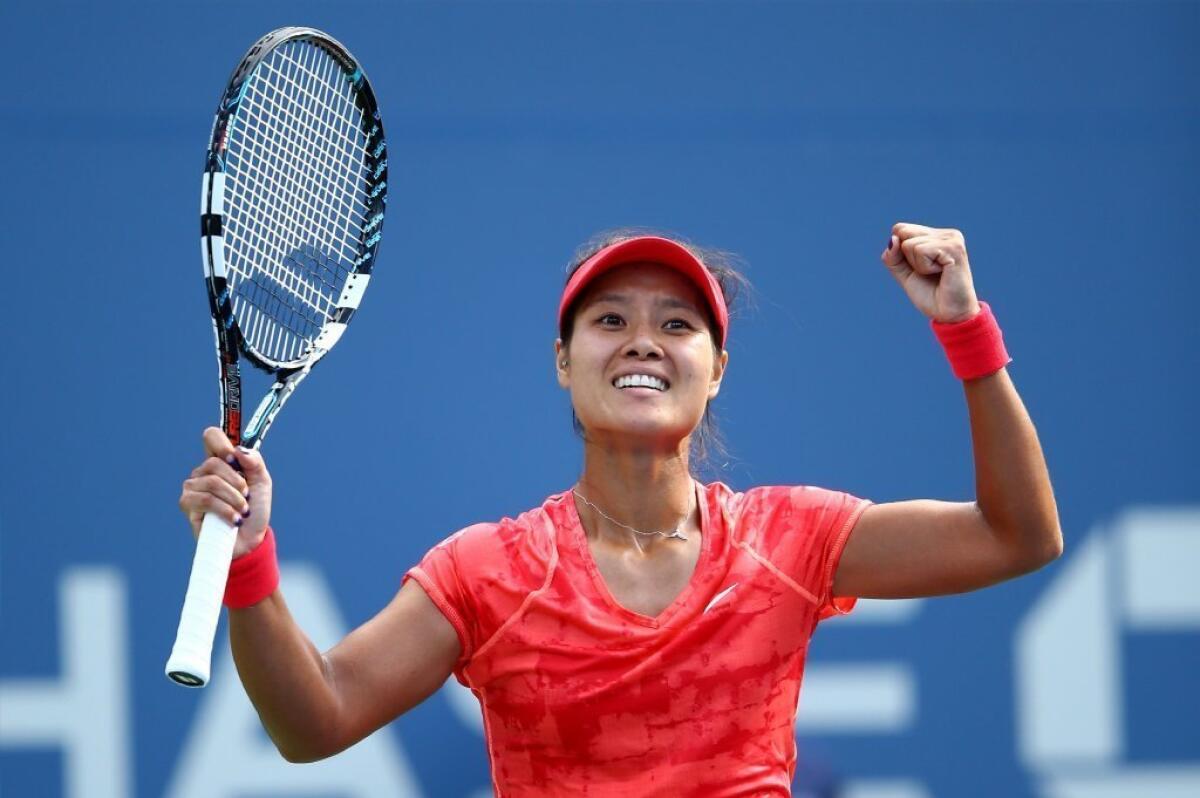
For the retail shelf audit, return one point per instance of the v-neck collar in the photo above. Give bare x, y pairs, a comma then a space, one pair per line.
579, 539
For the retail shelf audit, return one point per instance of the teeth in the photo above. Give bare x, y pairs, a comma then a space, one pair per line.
640, 381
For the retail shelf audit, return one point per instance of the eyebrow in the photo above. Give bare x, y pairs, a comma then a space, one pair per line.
666, 302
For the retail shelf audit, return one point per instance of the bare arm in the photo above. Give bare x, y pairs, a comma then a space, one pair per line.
927, 547
315, 705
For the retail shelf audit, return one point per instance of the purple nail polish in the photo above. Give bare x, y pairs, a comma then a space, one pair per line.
889, 244
247, 513
238, 522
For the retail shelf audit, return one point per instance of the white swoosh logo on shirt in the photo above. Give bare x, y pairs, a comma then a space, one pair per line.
719, 596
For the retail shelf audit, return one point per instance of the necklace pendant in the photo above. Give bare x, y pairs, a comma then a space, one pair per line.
677, 534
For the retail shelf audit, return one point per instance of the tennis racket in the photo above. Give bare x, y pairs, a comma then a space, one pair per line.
291, 213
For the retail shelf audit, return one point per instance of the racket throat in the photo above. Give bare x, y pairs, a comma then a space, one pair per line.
270, 405
262, 417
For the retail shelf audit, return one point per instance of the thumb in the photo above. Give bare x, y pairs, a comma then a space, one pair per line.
893, 259
252, 465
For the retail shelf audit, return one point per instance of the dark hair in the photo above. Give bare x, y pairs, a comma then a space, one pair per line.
707, 443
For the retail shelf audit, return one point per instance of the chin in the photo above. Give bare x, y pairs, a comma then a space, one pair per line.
647, 429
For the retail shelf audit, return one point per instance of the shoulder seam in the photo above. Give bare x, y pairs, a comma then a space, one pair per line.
787, 580
550, 569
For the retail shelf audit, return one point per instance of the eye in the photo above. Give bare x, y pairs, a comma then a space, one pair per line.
609, 320
683, 324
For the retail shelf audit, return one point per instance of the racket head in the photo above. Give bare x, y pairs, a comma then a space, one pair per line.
292, 199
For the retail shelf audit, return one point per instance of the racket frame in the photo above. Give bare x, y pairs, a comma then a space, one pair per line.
229, 339
190, 660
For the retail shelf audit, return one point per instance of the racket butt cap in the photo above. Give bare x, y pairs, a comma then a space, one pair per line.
187, 673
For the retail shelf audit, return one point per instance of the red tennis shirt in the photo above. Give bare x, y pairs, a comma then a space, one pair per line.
582, 696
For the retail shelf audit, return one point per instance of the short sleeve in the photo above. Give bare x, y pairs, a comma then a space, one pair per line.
833, 515
441, 574
480, 576
803, 531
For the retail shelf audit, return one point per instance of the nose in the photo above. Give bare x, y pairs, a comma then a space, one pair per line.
642, 342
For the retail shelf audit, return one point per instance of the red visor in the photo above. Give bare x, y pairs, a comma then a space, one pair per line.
654, 250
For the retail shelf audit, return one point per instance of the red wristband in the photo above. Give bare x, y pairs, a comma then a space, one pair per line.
254, 575
975, 347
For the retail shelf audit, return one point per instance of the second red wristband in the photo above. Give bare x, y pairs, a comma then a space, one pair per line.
254, 575
975, 347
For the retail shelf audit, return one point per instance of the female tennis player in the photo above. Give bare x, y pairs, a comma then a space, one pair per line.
643, 633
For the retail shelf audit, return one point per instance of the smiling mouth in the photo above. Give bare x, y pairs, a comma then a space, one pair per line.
641, 381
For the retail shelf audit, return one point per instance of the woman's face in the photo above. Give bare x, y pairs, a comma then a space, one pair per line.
634, 322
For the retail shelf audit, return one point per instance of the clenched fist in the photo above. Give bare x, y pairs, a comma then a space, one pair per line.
930, 263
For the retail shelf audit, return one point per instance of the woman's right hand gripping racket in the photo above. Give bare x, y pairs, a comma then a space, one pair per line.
291, 214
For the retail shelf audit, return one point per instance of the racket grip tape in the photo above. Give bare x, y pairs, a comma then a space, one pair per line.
191, 657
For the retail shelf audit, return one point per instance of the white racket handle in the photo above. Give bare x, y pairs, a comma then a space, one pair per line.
191, 658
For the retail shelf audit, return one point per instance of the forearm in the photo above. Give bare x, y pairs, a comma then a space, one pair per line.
1012, 483
286, 679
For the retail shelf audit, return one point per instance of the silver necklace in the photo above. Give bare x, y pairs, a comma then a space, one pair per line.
671, 533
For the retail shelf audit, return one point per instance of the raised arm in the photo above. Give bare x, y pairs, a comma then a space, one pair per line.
926, 547
312, 704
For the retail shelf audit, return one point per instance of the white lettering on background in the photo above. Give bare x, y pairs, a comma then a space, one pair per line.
1134, 576
85, 711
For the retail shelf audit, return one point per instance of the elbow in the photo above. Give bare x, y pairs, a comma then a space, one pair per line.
319, 735
1048, 549
1052, 542
1028, 542
301, 753
1055, 549
305, 748
299, 758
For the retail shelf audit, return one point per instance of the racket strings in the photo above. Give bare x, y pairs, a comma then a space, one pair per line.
301, 129
291, 164
296, 173
340, 128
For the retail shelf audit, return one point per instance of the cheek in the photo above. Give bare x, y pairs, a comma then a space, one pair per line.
697, 369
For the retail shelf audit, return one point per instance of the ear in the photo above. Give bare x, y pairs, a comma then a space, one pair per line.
718, 373
562, 364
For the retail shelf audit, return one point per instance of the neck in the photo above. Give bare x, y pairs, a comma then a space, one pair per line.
649, 491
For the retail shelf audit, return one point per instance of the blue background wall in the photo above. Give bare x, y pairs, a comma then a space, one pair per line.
1060, 137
